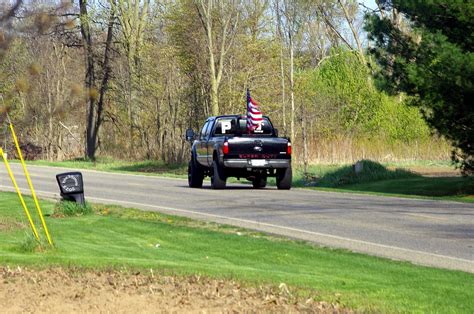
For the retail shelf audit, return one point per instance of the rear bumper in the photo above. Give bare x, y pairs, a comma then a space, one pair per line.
247, 163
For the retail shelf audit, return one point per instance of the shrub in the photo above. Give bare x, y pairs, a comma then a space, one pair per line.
371, 171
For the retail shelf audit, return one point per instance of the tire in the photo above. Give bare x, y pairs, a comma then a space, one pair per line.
284, 178
217, 177
259, 182
195, 175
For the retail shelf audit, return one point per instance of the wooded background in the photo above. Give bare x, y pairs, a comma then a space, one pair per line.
126, 78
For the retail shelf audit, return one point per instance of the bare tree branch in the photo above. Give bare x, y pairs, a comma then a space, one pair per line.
10, 13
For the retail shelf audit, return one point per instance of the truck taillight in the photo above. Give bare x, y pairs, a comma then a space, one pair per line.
225, 149
288, 149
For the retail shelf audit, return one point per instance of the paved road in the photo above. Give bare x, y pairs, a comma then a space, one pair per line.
434, 233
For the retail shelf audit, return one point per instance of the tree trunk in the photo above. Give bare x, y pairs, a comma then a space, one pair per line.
89, 79
133, 21
50, 118
282, 68
158, 124
94, 111
106, 69
305, 142
212, 72
130, 109
207, 13
214, 97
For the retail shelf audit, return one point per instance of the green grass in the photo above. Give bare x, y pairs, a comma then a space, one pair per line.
151, 167
118, 237
396, 179
69, 208
387, 180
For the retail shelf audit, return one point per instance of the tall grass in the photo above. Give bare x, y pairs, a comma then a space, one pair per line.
70, 208
346, 149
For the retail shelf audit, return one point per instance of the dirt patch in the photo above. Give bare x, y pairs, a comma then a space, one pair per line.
435, 171
10, 225
69, 290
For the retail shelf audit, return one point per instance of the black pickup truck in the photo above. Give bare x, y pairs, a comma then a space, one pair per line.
224, 148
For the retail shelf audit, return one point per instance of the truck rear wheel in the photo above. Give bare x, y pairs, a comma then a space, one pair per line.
284, 178
195, 175
259, 182
217, 178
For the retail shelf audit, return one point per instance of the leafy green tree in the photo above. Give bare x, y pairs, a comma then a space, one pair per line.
425, 49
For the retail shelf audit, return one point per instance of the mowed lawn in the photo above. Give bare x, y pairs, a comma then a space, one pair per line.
115, 237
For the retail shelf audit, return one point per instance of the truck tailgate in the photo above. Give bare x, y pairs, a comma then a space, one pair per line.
257, 148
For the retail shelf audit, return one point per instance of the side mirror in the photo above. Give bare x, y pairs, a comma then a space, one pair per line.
189, 135
276, 132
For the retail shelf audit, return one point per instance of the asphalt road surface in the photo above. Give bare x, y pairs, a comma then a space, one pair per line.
426, 232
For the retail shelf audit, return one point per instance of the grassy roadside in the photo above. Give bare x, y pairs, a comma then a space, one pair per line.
445, 188
391, 179
395, 179
118, 237
147, 167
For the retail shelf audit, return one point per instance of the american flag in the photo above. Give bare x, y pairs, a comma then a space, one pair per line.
254, 115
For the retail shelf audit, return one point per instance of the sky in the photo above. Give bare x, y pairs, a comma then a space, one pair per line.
369, 3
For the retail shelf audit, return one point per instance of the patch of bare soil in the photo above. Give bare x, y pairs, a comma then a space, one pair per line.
61, 290
10, 224
435, 171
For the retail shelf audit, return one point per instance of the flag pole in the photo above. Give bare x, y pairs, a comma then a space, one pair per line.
247, 105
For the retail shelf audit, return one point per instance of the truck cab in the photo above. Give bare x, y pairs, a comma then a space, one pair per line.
225, 148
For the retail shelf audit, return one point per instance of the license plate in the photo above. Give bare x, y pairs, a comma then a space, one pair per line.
258, 162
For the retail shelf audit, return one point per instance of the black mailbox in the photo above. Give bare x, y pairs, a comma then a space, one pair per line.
71, 186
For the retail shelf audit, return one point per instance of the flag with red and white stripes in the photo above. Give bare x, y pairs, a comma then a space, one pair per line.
254, 115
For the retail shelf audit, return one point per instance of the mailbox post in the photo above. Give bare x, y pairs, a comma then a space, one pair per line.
71, 186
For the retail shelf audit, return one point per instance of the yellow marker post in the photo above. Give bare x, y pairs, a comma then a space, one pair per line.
30, 184
19, 194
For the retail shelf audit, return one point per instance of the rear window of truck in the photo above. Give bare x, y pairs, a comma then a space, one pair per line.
232, 126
